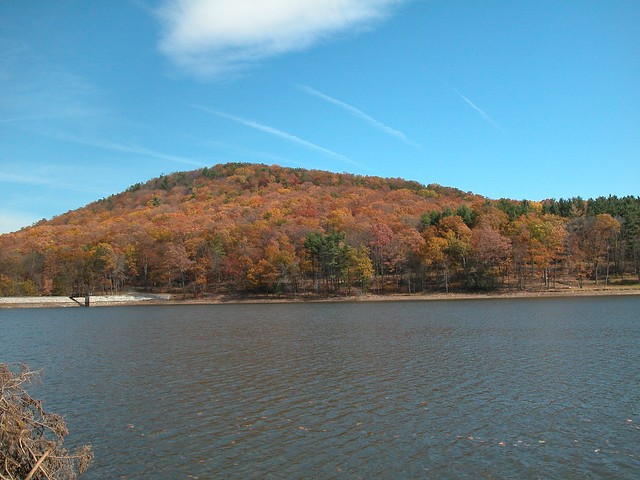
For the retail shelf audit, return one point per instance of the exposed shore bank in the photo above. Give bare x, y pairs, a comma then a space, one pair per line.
178, 299
95, 300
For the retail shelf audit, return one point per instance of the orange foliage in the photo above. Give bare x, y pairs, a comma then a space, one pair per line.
244, 226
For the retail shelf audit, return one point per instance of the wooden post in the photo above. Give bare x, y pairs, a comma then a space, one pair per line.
86, 300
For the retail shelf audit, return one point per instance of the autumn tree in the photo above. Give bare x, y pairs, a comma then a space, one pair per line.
222, 228
177, 264
382, 250
359, 268
577, 249
105, 268
603, 231
407, 262
489, 253
433, 252
458, 236
538, 243
278, 270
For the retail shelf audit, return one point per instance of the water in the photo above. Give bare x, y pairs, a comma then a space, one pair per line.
526, 388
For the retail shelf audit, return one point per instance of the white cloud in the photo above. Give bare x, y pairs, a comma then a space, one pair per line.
213, 38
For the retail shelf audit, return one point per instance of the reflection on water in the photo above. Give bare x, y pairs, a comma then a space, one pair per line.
539, 388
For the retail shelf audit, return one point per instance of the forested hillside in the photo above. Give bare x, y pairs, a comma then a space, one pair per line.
244, 228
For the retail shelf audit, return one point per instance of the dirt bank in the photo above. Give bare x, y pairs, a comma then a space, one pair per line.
169, 299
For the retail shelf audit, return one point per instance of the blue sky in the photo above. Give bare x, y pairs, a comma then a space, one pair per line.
518, 99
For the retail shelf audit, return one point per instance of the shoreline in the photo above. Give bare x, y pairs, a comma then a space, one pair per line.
128, 299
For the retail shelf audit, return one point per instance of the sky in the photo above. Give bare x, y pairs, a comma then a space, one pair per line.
507, 99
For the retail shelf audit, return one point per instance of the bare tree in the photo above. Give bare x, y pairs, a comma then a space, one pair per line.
31, 439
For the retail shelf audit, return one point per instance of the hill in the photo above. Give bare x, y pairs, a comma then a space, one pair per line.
256, 228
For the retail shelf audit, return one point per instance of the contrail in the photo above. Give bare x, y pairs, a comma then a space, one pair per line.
356, 112
480, 111
30, 118
146, 152
132, 149
46, 181
279, 133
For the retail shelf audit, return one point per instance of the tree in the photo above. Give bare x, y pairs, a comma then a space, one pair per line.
360, 268
433, 252
178, 264
458, 237
547, 244
32, 439
105, 267
468, 215
8, 286
223, 220
590, 243
381, 247
329, 256
600, 237
538, 243
277, 270
489, 252
406, 261
577, 256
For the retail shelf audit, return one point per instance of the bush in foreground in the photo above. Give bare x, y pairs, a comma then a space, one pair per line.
31, 439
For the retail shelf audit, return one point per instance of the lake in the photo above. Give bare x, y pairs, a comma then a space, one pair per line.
505, 388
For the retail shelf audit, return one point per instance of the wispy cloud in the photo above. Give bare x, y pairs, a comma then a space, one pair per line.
356, 112
14, 220
44, 178
123, 148
214, 38
22, 179
32, 118
238, 151
44, 92
146, 152
280, 134
482, 113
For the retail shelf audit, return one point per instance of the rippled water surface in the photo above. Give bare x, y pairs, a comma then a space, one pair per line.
526, 388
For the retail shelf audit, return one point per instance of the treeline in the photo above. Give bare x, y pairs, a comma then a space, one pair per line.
253, 228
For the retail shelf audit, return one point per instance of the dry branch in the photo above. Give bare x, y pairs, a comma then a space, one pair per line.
31, 439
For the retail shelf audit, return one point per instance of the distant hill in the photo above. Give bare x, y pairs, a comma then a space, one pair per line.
256, 228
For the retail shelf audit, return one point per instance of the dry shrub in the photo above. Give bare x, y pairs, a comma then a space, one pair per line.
31, 440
